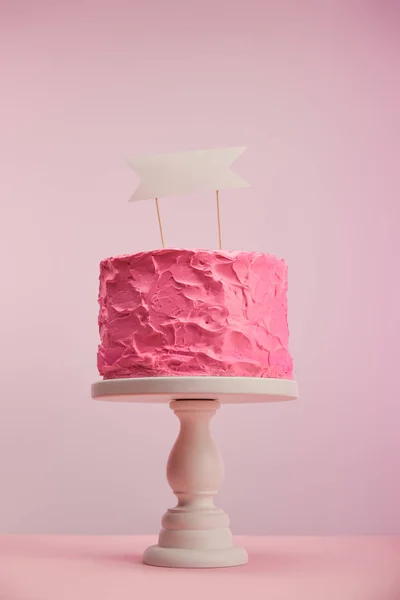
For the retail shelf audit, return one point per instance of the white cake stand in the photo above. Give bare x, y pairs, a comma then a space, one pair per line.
195, 533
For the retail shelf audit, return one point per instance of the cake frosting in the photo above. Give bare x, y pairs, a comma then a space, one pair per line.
176, 312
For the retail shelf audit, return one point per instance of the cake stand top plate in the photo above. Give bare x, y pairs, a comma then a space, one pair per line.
228, 390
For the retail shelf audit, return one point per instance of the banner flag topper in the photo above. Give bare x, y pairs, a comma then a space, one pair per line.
186, 173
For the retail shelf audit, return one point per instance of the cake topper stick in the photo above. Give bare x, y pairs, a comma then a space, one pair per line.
186, 173
219, 221
160, 223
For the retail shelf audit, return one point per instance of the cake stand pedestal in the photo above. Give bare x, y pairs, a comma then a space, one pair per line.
195, 533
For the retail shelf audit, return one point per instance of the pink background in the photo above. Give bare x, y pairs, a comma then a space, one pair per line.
313, 89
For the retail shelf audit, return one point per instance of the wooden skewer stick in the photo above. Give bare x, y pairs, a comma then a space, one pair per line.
160, 223
219, 221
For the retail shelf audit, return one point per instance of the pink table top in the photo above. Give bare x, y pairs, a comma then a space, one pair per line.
280, 568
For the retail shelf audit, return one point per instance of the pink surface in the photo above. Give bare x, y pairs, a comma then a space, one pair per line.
193, 312
280, 568
313, 90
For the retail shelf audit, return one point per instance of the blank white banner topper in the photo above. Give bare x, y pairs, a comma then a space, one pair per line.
186, 172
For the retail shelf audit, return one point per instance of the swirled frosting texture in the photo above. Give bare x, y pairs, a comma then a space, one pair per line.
193, 312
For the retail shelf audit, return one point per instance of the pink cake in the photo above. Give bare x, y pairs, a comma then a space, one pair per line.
193, 312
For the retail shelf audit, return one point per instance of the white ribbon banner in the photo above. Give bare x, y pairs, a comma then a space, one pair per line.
186, 172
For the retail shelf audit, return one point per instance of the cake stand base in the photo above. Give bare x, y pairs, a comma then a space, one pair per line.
195, 533
157, 556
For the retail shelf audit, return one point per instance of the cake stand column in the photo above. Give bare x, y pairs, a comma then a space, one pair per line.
195, 533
